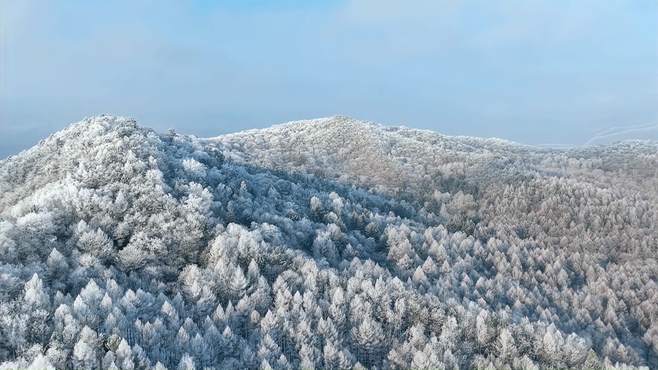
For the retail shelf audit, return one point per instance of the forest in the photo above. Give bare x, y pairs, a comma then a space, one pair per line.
328, 244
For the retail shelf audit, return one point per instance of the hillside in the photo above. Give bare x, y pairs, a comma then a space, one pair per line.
546, 194
329, 243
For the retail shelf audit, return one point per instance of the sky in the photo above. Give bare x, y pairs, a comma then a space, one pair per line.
534, 71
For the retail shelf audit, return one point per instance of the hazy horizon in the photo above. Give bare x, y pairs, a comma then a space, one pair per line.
538, 72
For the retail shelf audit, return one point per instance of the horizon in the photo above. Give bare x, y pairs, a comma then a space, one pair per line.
612, 132
535, 73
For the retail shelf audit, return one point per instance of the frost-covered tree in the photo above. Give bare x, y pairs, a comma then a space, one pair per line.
328, 244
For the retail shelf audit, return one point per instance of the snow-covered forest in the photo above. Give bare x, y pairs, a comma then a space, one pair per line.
329, 244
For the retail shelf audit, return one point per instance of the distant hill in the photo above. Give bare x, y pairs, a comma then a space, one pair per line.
329, 243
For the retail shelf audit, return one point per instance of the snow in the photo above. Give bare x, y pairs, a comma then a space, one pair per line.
328, 243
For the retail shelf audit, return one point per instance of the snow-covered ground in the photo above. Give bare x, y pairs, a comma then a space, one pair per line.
329, 243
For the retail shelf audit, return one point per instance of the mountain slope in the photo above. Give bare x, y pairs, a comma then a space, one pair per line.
503, 184
331, 243
394, 160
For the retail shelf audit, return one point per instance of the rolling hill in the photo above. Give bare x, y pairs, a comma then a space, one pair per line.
328, 243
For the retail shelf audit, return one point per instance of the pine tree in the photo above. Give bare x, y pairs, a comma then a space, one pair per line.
367, 339
186, 363
85, 351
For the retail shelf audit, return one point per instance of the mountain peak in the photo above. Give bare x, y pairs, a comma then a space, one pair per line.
103, 122
326, 123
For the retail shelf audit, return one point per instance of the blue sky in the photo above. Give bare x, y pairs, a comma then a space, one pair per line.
533, 71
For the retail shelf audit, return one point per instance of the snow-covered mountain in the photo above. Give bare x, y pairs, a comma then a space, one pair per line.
329, 243
390, 159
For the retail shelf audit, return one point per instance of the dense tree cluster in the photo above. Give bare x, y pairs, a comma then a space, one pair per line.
330, 244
